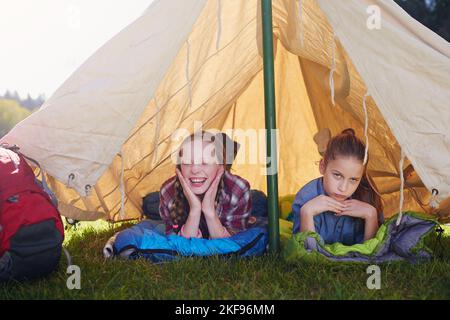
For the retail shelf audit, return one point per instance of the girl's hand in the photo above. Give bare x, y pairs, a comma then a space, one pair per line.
194, 202
321, 204
358, 209
209, 199
363, 210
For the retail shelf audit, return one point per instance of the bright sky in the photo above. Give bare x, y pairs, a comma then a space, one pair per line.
42, 42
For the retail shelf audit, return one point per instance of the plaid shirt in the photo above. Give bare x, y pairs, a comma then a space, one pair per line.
233, 209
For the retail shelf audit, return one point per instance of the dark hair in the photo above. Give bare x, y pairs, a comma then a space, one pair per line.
180, 209
347, 144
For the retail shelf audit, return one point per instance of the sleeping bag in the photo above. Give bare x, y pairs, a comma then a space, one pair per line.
147, 240
391, 243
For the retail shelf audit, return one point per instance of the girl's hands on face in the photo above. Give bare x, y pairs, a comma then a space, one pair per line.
209, 199
358, 209
321, 204
194, 202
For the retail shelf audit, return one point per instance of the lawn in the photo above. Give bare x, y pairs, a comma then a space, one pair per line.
266, 277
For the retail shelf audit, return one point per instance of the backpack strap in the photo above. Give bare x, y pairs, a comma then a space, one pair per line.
48, 191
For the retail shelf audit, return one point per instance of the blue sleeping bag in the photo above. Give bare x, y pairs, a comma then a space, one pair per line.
147, 240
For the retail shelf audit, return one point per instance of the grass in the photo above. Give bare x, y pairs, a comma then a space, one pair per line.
266, 277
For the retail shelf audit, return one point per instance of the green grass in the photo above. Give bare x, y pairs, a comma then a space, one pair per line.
266, 277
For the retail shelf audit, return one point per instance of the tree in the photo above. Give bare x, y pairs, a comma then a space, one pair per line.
7, 95
28, 103
434, 14
16, 96
10, 114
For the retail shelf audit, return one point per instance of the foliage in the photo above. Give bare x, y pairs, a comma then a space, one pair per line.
434, 14
10, 114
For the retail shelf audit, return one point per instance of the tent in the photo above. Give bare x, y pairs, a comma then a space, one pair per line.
105, 137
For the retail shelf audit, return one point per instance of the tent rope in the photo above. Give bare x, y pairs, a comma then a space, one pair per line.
187, 72
157, 129
87, 190
434, 201
402, 184
439, 249
122, 187
333, 69
68, 257
70, 178
219, 23
366, 128
301, 22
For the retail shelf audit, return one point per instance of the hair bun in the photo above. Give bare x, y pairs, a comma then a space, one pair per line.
349, 131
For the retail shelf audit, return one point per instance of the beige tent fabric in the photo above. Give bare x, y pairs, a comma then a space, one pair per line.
82, 126
188, 61
417, 107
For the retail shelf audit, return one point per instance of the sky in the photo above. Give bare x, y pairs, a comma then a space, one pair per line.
42, 42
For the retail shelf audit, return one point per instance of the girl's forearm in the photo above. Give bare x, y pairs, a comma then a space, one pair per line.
215, 227
306, 221
370, 226
190, 228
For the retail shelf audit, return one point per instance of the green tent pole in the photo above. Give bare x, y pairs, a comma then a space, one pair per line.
269, 101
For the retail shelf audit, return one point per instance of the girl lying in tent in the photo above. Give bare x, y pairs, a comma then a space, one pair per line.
205, 209
203, 199
339, 216
343, 205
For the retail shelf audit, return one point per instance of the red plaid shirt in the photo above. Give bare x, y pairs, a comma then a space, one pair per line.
233, 209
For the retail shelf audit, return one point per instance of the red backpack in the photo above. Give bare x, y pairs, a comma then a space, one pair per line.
31, 230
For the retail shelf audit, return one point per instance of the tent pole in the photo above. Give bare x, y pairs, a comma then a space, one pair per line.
269, 101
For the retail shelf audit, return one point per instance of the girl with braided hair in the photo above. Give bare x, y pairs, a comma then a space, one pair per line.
203, 199
343, 205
